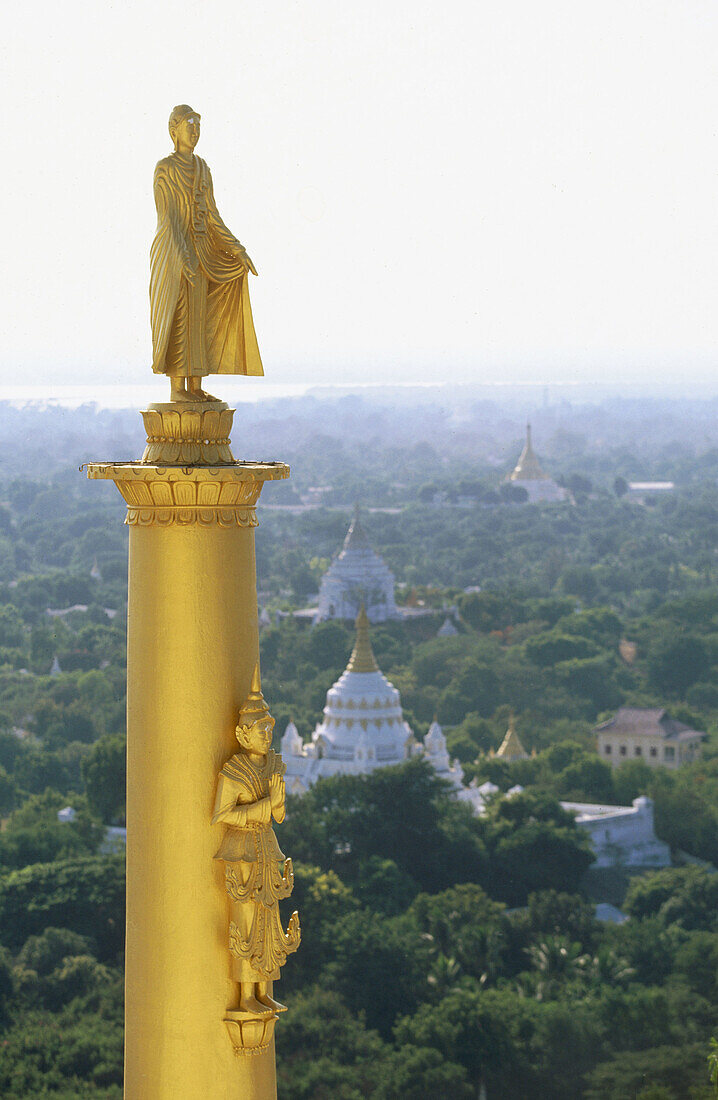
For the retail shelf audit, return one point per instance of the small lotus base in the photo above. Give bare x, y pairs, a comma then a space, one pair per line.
248, 1032
192, 433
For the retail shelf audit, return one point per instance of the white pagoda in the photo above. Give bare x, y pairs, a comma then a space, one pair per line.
447, 629
358, 575
436, 753
362, 728
528, 475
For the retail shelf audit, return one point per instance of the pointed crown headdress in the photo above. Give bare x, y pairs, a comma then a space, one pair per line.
254, 707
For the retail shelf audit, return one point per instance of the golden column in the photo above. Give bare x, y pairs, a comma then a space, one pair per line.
199, 1009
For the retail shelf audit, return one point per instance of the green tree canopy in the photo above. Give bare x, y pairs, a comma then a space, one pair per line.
682, 895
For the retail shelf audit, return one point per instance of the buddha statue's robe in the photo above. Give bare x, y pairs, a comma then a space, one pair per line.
257, 875
199, 299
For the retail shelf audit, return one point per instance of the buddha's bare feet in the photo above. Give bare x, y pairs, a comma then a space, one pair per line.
196, 393
251, 1004
178, 388
183, 395
271, 1004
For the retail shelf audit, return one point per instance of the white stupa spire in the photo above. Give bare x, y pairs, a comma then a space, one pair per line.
292, 743
436, 753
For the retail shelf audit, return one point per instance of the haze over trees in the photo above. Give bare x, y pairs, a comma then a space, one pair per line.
441, 951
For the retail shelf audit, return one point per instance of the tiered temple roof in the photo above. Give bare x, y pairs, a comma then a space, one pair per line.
511, 747
358, 575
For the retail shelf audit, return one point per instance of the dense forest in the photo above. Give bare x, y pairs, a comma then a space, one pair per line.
440, 951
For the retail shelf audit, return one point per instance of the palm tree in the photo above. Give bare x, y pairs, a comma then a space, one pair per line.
444, 974
556, 963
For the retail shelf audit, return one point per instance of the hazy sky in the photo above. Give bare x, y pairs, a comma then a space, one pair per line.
497, 191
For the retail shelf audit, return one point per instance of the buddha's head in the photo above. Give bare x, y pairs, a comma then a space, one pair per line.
184, 127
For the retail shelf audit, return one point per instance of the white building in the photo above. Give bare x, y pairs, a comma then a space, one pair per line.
436, 754
621, 836
640, 491
357, 576
478, 795
362, 727
528, 475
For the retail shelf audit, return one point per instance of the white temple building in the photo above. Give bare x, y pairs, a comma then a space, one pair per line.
528, 475
362, 728
358, 575
622, 836
478, 795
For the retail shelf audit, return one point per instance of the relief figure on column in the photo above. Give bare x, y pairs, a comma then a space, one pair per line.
250, 792
199, 295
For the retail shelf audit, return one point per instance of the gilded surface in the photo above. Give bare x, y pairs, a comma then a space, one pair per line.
192, 644
528, 467
223, 496
250, 793
362, 658
199, 298
188, 434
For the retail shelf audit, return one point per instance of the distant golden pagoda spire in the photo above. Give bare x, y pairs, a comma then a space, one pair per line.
362, 658
528, 467
511, 747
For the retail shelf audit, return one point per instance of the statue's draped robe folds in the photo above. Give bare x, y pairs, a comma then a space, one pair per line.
257, 875
201, 324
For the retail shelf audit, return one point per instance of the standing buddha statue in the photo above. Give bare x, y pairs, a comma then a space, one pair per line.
199, 298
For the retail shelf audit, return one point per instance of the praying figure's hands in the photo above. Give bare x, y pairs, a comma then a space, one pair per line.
276, 791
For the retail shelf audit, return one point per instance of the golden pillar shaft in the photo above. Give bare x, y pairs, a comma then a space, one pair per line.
192, 648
